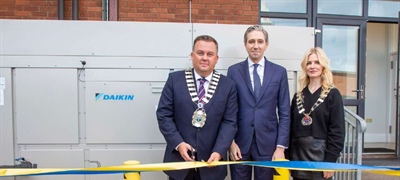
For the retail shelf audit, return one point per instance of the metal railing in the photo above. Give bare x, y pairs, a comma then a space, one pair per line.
352, 151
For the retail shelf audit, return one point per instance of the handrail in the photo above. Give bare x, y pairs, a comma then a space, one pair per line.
362, 122
352, 151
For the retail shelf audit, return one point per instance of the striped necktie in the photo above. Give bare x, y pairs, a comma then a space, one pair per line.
257, 81
202, 91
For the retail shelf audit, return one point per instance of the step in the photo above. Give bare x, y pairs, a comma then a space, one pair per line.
378, 156
381, 160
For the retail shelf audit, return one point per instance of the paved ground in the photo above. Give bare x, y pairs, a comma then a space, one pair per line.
369, 176
392, 162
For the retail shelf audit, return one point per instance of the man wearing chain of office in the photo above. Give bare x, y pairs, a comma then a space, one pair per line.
197, 114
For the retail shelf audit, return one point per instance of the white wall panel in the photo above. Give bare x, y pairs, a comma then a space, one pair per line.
377, 71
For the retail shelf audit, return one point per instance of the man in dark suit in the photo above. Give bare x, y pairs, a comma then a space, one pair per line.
197, 114
264, 108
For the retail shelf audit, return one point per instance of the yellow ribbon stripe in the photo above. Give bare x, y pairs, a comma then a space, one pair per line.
283, 174
387, 172
281, 166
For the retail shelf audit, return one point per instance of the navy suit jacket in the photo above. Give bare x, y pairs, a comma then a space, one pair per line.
174, 114
260, 116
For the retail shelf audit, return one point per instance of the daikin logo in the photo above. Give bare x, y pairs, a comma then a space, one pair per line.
114, 97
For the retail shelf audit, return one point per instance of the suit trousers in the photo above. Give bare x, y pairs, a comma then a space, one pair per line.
192, 175
244, 172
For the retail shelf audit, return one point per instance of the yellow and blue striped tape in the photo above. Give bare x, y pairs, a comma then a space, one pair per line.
292, 165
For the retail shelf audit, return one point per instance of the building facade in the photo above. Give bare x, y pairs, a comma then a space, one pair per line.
359, 36
197, 11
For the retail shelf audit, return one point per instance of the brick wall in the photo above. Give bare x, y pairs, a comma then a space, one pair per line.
203, 11
88, 9
48, 9
28, 9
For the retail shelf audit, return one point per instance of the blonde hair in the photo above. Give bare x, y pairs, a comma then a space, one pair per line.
326, 75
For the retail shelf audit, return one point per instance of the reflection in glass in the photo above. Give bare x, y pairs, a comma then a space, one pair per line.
289, 6
383, 8
283, 22
341, 45
347, 7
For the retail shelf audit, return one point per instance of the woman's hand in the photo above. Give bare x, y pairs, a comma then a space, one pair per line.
328, 174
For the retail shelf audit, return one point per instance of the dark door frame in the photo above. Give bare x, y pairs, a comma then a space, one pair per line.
397, 89
361, 62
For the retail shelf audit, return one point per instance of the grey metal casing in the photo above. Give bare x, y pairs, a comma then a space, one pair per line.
51, 114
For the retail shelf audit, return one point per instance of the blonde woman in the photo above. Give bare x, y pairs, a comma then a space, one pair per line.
317, 116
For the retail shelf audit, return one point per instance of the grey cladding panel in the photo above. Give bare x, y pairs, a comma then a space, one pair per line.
116, 120
116, 157
287, 45
46, 106
6, 120
55, 158
95, 38
122, 75
229, 37
123, 58
51, 158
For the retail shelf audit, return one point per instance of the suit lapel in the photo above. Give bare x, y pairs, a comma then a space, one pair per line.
244, 71
268, 73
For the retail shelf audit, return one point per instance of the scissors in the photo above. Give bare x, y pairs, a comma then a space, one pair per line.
193, 153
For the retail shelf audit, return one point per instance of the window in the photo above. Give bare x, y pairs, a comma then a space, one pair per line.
383, 8
283, 22
286, 6
340, 7
341, 45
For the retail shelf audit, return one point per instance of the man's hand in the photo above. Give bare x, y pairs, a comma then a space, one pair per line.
234, 152
214, 157
279, 153
184, 149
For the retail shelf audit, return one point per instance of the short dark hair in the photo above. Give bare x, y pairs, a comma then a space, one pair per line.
255, 28
206, 38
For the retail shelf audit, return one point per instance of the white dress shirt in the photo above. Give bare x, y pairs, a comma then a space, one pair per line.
206, 84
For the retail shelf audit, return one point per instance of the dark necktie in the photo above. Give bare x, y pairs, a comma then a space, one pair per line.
257, 81
202, 92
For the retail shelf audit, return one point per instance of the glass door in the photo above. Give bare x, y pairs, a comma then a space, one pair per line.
344, 42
